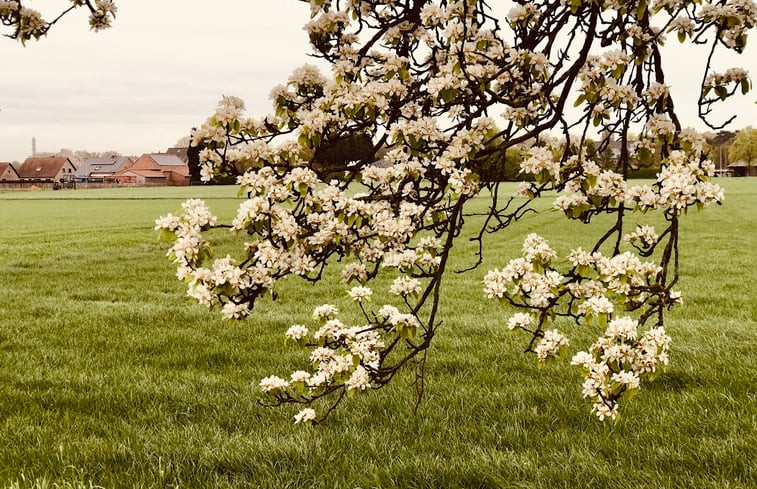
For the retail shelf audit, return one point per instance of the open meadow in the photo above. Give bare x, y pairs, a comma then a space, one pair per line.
110, 377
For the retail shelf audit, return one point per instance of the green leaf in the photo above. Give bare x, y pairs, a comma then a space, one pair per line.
167, 235
641, 9
646, 157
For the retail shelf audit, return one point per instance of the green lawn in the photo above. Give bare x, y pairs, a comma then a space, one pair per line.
110, 377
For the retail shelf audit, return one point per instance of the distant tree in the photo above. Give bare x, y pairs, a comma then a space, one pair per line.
502, 166
78, 155
332, 157
719, 145
744, 146
183, 142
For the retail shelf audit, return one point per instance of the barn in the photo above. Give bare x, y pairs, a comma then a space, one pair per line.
155, 169
47, 169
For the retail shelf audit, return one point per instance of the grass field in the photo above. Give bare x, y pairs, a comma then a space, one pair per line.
110, 377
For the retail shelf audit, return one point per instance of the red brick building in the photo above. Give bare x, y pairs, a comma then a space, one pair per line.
155, 169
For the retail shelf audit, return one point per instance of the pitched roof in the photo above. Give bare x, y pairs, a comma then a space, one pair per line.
47, 167
182, 153
164, 159
738, 164
110, 164
161, 162
5, 165
179, 170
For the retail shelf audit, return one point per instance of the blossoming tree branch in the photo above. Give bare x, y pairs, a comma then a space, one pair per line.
26, 23
442, 89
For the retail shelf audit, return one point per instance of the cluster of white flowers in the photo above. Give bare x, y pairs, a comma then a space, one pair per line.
541, 163
102, 15
404, 286
550, 345
273, 384
306, 416
527, 13
341, 356
189, 248
727, 81
354, 271
530, 279
30, 22
590, 290
6, 8
681, 183
645, 235
285, 239
520, 320
618, 95
27, 23
297, 332
588, 187
660, 126
572, 202
684, 26
734, 19
360, 294
617, 361
656, 91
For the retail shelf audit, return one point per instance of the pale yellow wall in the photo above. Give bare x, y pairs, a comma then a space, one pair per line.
8, 175
67, 170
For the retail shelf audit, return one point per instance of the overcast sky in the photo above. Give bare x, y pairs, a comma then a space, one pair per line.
141, 85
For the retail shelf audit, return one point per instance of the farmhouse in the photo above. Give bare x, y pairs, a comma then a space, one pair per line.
47, 169
98, 169
8, 173
154, 169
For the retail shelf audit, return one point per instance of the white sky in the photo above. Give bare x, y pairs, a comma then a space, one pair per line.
141, 85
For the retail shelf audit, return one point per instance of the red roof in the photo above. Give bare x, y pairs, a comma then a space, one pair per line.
4, 166
47, 167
